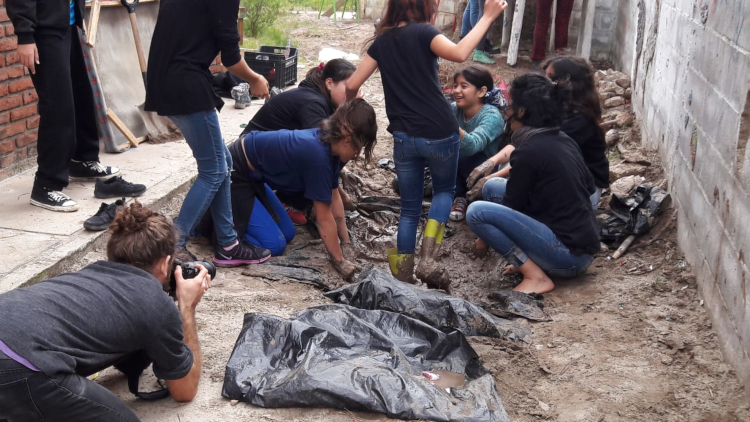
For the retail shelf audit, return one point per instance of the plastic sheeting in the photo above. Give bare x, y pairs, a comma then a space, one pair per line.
361, 360
635, 213
377, 289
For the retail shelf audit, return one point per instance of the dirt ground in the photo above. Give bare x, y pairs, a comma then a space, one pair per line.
630, 340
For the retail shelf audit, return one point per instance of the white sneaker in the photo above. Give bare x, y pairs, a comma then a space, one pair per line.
458, 211
54, 200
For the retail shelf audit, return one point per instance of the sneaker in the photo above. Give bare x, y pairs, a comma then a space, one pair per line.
117, 187
241, 95
481, 57
298, 218
53, 200
458, 211
91, 170
490, 49
103, 218
242, 254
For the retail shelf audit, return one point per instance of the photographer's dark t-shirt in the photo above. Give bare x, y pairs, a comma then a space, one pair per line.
85, 321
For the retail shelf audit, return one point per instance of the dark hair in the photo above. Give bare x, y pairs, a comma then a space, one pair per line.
355, 119
337, 70
140, 237
586, 99
477, 75
409, 11
544, 102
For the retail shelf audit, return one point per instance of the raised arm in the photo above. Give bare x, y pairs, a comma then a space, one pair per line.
365, 69
446, 49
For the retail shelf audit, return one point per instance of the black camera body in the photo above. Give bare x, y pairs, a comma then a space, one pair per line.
190, 270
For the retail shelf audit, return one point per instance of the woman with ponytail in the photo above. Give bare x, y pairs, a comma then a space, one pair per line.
540, 219
318, 96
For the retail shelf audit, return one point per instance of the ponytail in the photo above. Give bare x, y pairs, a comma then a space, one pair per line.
337, 70
544, 102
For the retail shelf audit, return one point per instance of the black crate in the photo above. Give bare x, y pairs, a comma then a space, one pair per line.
279, 71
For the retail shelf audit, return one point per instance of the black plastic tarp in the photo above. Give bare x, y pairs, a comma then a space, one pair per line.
377, 289
361, 360
635, 213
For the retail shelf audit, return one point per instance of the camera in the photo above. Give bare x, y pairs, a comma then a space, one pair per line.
190, 270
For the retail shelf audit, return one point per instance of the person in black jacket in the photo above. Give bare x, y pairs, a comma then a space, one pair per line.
582, 117
187, 37
68, 138
540, 219
316, 99
59, 331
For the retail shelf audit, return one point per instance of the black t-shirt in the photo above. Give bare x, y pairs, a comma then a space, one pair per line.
82, 322
301, 108
590, 139
187, 37
550, 183
414, 100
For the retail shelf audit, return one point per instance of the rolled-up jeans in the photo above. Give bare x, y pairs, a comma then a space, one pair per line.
518, 237
211, 188
410, 154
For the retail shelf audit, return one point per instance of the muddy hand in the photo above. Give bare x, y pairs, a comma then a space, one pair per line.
480, 249
476, 192
349, 251
483, 170
345, 268
493, 8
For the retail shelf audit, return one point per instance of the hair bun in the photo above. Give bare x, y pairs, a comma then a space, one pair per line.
131, 219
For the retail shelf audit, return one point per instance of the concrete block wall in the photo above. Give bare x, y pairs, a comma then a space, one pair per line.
18, 105
605, 28
690, 62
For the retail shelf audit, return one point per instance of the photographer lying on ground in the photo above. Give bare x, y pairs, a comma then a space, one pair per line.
59, 331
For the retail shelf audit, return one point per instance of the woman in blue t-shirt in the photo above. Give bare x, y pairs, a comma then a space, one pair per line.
480, 126
302, 164
406, 49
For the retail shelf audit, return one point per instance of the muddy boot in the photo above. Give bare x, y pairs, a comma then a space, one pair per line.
430, 271
402, 265
482, 57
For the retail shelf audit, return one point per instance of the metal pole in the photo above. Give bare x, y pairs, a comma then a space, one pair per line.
515, 33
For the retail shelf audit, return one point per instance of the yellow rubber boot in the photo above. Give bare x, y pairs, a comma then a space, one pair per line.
402, 265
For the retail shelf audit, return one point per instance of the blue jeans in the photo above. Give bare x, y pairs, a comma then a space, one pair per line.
518, 237
473, 12
211, 188
263, 231
410, 155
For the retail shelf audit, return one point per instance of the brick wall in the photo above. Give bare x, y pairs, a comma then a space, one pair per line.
690, 62
18, 112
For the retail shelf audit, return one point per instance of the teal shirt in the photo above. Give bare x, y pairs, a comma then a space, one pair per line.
483, 131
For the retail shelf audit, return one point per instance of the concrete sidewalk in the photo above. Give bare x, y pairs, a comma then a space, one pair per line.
36, 244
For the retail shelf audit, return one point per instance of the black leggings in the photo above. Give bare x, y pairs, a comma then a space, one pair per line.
26, 396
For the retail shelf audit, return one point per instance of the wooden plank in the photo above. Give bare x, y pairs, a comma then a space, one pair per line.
96, 7
586, 32
515, 33
507, 23
122, 128
552, 28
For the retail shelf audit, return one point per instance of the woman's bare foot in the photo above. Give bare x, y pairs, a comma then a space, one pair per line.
534, 279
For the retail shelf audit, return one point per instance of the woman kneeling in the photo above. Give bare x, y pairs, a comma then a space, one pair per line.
540, 219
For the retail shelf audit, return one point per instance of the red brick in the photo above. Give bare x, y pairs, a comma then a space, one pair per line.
2, 60
32, 122
8, 44
4, 118
10, 30
4, 15
2, 31
7, 146
12, 129
26, 139
30, 96
11, 58
22, 112
15, 71
20, 84
10, 101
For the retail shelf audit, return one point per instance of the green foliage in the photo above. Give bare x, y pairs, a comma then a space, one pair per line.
261, 14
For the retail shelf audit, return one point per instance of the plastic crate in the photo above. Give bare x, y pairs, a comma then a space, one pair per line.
269, 62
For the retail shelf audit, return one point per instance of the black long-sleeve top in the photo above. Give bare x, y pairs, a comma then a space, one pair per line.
29, 16
550, 183
188, 36
589, 137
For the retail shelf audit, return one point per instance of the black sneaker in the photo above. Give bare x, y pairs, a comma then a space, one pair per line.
490, 49
117, 187
91, 170
242, 254
103, 218
53, 200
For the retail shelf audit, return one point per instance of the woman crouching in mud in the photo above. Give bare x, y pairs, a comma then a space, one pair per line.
540, 219
304, 165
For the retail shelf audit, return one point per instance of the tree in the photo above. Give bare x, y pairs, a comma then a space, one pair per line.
261, 14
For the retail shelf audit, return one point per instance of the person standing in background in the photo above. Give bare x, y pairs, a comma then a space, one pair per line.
543, 16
